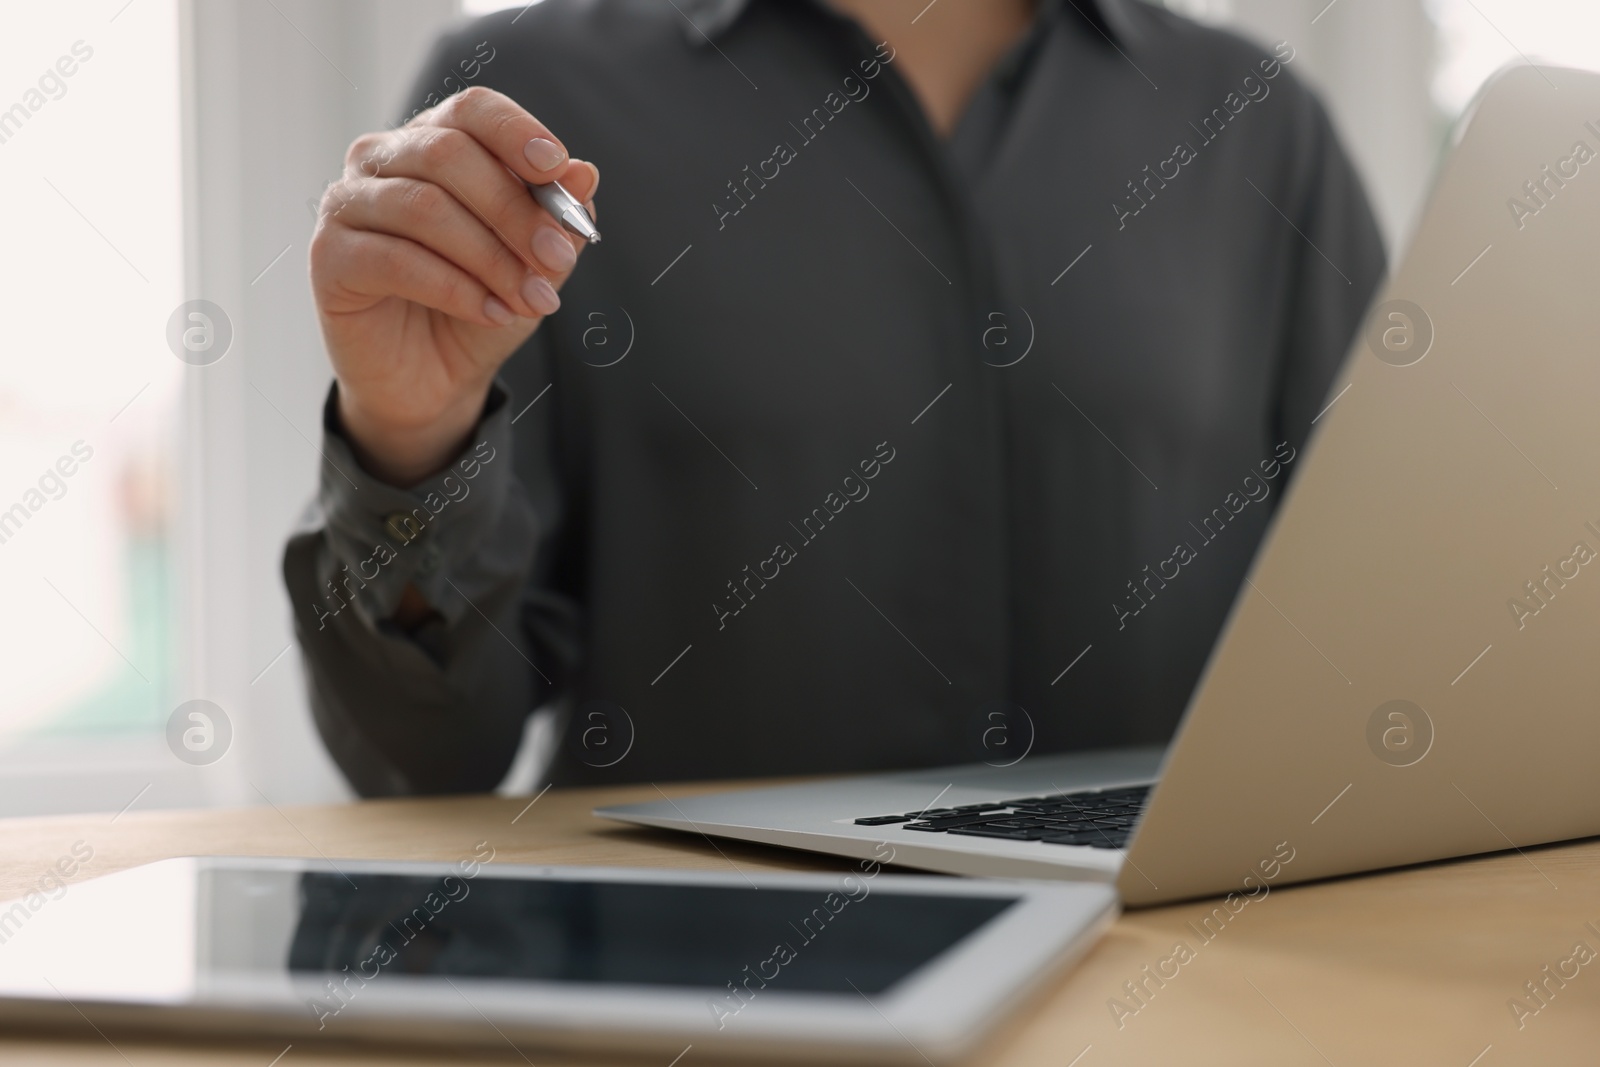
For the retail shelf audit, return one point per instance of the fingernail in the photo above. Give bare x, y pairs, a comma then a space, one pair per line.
553, 250
540, 295
497, 313
543, 154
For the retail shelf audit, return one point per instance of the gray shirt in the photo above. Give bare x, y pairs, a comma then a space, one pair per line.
852, 447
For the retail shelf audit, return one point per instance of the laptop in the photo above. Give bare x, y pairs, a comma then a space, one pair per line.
1409, 672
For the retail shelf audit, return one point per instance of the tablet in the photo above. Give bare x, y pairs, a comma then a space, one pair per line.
807, 966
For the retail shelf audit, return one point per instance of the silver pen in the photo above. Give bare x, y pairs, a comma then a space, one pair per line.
565, 209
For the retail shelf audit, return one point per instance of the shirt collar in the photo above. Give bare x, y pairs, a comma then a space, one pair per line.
708, 19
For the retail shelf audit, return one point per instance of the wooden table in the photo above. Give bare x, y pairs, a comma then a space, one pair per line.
1413, 967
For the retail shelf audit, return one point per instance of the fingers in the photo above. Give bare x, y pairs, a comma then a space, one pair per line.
443, 202
582, 180
367, 268
457, 163
427, 215
517, 139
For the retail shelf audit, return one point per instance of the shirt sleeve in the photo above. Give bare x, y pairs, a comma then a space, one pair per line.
439, 709
1339, 268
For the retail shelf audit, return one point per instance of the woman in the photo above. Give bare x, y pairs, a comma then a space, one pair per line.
924, 402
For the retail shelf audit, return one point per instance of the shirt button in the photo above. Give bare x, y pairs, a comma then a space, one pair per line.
403, 527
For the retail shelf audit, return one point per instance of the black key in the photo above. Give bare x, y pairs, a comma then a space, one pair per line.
1092, 838
1114, 832
881, 820
952, 821
1035, 834
973, 809
932, 813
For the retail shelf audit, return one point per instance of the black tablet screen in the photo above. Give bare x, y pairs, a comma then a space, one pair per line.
854, 938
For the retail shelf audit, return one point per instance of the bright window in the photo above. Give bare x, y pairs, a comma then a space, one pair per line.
89, 391
484, 7
1476, 37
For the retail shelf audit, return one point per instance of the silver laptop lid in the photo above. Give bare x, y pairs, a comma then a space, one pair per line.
1411, 670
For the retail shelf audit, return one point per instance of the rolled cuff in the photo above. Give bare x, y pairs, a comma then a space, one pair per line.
383, 537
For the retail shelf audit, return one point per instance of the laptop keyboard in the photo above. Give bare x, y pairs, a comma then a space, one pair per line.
1099, 818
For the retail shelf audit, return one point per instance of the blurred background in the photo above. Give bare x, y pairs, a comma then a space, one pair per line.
157, 152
